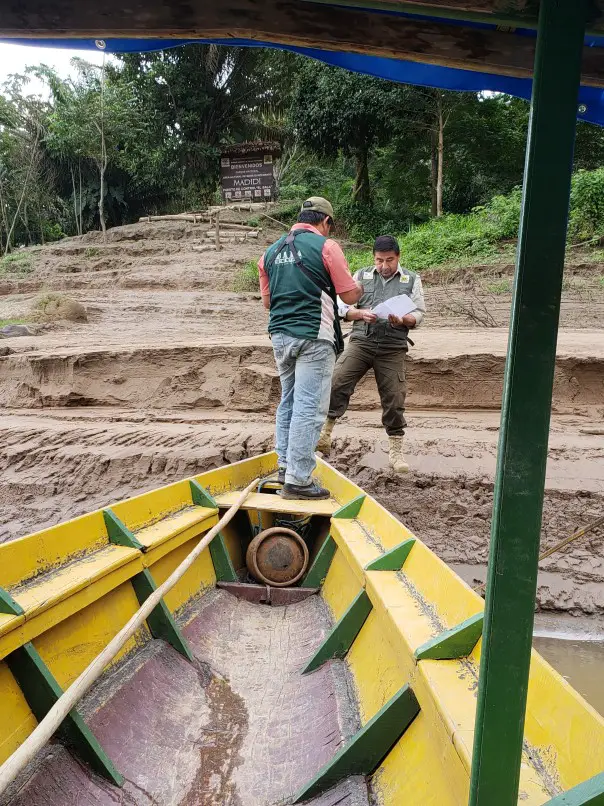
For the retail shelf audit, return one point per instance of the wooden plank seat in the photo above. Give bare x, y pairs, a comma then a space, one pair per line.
48, 589
164, 536
43, 570
268, 502
56, 572
358, 547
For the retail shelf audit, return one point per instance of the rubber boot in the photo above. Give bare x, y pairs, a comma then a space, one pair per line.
396, 457
324, 443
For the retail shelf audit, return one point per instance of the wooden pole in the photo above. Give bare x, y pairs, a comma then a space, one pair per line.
47, 727
217, 231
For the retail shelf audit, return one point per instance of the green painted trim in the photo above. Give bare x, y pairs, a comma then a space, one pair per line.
8, 604
319, 569
342, 636
394, 559
526, 407
160, 621
589, 793
223, 565
365, 752
221, 559
455, 643
42, 691
351, 509
200, 496
118, 532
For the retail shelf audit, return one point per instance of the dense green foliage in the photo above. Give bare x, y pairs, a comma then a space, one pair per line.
143, 135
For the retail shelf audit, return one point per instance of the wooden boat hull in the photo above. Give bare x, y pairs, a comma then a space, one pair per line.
407, 628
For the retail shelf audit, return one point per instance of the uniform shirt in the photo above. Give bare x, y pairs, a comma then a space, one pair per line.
333, 260
302, 300
416, 295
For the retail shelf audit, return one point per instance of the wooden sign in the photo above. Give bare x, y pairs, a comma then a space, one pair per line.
247, 172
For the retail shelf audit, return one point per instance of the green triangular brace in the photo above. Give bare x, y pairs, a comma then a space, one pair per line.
41, 691
118, 532
200, 496
365, 752
316, 574
160, 621
455, 643
351, 509
589, 793
394, 559
221, 559
342, 636
8, 604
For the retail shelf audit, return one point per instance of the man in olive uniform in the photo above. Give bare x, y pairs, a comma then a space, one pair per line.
379, 345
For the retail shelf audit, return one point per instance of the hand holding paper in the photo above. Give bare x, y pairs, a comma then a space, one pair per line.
396, 306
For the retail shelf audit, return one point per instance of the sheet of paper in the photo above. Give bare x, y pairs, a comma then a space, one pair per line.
396, 306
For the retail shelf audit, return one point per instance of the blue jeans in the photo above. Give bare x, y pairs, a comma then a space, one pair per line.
305, 368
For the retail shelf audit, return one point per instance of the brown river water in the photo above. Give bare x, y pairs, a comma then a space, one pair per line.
575, 648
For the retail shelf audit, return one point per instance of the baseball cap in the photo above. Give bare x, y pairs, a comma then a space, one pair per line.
318, 204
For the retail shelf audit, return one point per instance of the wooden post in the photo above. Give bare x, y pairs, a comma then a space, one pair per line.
217, 231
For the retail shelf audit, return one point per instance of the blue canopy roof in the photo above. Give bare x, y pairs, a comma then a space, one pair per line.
591, 99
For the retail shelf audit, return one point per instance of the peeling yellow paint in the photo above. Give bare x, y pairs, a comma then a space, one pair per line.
78, 594
374, 667
340, 586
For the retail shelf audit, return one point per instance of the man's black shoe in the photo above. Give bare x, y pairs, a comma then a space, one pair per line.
311, 491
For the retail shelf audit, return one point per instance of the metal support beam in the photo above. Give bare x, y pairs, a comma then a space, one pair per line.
522, 456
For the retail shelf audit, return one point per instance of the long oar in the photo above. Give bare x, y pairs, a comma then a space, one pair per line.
46, 728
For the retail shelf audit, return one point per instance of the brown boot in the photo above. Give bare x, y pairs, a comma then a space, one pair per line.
324, 443
395, 456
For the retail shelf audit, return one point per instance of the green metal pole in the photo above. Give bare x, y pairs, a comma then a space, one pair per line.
520, 477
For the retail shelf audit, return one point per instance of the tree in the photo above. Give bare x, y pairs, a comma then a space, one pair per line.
190, 101
28, 200
335, 110
91, 120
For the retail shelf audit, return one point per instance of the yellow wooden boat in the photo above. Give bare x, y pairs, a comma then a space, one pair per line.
355, 685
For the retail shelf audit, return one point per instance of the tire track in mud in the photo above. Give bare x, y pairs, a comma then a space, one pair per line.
57, 468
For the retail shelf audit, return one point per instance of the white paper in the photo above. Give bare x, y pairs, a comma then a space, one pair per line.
395, 306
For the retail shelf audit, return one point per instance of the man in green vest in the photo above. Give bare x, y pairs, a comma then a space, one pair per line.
378, 344
301, 276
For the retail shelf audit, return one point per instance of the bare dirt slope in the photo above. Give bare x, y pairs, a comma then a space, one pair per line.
173, 374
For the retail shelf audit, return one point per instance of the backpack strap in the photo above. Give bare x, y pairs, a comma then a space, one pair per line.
290, 241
